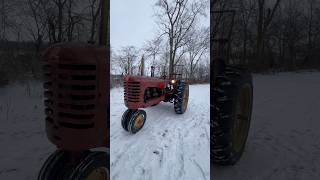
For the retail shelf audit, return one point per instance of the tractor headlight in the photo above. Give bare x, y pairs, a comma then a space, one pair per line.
173, 81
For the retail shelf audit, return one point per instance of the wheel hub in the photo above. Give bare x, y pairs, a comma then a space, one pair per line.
98, 174
139, 121
242, 119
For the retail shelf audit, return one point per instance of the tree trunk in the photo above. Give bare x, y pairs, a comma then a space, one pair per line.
171, 60
60, 18
260, 35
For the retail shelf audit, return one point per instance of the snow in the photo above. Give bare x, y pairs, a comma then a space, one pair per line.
283, 141
169, 146
23, 143
284, 138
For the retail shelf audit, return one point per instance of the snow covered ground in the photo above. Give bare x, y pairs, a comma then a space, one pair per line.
23, 143
284, 141
169, 146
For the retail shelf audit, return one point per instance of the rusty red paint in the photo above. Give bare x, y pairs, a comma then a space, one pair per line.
76, 96
135, 86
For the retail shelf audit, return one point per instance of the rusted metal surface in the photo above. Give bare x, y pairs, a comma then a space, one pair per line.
134, 91
76, 96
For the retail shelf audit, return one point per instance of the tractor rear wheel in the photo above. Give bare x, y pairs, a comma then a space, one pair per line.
232, 108
181, 98
136, 121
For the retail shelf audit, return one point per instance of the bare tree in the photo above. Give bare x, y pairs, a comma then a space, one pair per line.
38, 27
72, 20
60, 4
246, 12
196, 46
95, 7
4, 10
313, 28
7, 17
126, 58
264, 19
175, 19
152, 49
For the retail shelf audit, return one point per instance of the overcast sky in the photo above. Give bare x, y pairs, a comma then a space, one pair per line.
132, 22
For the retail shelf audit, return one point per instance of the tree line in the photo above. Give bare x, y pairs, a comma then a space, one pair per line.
181, 48
277, 35
37, 24
49, 21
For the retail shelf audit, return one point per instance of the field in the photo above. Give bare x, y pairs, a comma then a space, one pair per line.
170, 146
283, 142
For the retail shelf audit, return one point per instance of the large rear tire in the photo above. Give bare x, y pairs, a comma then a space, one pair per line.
181, 98
232, 109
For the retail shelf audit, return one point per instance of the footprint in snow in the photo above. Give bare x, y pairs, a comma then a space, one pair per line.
156, 152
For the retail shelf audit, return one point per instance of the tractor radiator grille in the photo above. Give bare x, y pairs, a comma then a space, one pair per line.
132, 91
70, 95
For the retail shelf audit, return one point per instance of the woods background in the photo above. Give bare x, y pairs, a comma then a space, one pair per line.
269, 35
274, 35
181, 44
27, 27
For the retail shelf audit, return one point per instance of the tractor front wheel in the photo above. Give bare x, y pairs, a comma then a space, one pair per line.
90, 166
94, 166
125, 118
136, 121
54, 165
133, 120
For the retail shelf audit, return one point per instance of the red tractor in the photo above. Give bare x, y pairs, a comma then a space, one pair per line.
143, 92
